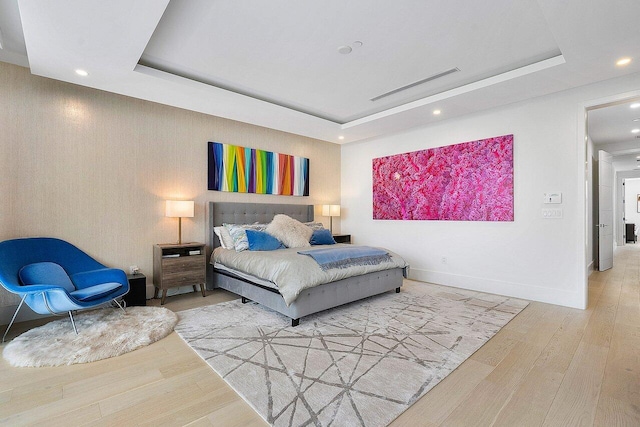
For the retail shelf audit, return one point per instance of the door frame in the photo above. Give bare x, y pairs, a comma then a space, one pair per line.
584, 180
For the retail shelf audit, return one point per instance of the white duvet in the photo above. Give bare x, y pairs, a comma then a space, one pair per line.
292, 272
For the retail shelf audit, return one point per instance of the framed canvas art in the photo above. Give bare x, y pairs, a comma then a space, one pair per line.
249, 170
471, 181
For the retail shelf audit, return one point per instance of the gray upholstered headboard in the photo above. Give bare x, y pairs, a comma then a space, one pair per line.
247, 213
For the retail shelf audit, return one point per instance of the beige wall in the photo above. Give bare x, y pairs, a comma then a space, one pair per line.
94, 168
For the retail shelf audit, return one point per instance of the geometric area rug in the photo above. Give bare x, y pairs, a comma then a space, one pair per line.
361, 364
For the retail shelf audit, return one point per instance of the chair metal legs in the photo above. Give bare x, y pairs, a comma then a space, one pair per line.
124, 303
13, 318
73, 323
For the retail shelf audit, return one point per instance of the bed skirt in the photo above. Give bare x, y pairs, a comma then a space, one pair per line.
314, 299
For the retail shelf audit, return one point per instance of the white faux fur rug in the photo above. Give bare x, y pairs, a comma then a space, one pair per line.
102, 333
361, 364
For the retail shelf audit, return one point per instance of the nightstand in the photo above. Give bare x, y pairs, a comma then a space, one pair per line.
137, 290
178, 265
342, 238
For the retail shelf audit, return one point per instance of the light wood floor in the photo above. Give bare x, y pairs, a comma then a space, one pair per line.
550, 366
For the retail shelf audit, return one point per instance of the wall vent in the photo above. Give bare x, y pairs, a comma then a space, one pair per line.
414, 84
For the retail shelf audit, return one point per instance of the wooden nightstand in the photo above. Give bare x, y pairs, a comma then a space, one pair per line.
178, 265
342, 238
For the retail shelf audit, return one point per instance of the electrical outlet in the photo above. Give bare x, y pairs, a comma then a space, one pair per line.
443, 260
133, 269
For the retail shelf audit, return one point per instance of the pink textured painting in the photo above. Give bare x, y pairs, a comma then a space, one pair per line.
471, 181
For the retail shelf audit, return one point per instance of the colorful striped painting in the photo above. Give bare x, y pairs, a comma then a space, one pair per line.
472, 181
248, 170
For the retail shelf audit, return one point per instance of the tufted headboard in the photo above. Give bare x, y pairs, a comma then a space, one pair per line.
247, 213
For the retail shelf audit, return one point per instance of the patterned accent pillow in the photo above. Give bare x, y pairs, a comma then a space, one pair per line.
239, 236
315, 225
289, 231
256, 226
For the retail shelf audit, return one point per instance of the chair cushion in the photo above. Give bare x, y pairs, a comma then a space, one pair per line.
96, 291
45, 273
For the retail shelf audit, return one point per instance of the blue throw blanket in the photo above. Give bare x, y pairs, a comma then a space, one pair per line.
347, 256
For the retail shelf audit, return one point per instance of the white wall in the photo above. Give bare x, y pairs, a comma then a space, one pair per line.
531, 257
631, 192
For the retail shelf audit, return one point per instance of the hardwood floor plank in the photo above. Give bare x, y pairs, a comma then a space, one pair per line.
481, 407
437, 404
497, 348
530, 403
613, 412
576, 400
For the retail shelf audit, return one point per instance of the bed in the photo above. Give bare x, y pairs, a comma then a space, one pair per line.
309, 301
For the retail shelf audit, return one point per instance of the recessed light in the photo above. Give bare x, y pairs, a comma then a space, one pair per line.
635, 130
635, 105
623, 61
81, 72
341, 137
636, 120
436, 112
637, 157
344, 49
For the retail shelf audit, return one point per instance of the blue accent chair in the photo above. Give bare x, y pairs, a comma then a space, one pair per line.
54, 277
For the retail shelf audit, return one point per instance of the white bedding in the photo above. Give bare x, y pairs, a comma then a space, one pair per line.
292, 272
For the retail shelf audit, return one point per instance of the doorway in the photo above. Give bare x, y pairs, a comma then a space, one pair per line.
608, 125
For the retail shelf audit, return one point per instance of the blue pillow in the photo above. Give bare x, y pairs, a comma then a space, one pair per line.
261, 241
45, 273
322, 237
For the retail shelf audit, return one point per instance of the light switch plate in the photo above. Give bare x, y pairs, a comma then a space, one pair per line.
552, 197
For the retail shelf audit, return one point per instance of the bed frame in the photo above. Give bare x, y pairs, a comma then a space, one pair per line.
310, 300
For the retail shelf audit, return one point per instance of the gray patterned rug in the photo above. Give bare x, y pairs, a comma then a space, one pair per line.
361, 364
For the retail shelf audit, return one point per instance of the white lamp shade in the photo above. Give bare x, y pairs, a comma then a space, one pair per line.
179, 208
330, 210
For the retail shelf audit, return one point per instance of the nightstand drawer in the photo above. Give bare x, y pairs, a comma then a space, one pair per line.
173, 265
181, 278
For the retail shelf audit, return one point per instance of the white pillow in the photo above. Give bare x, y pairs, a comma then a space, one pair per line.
289, 231
225, 239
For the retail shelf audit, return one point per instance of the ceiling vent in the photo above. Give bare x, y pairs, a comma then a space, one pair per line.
419, 82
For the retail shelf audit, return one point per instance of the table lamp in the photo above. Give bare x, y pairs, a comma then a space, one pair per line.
179, 209
331, 211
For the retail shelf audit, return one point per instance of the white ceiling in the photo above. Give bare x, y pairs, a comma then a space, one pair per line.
610, 129
276, 63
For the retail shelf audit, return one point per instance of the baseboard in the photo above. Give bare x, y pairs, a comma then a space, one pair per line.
516, 290
590, 268
6, 313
